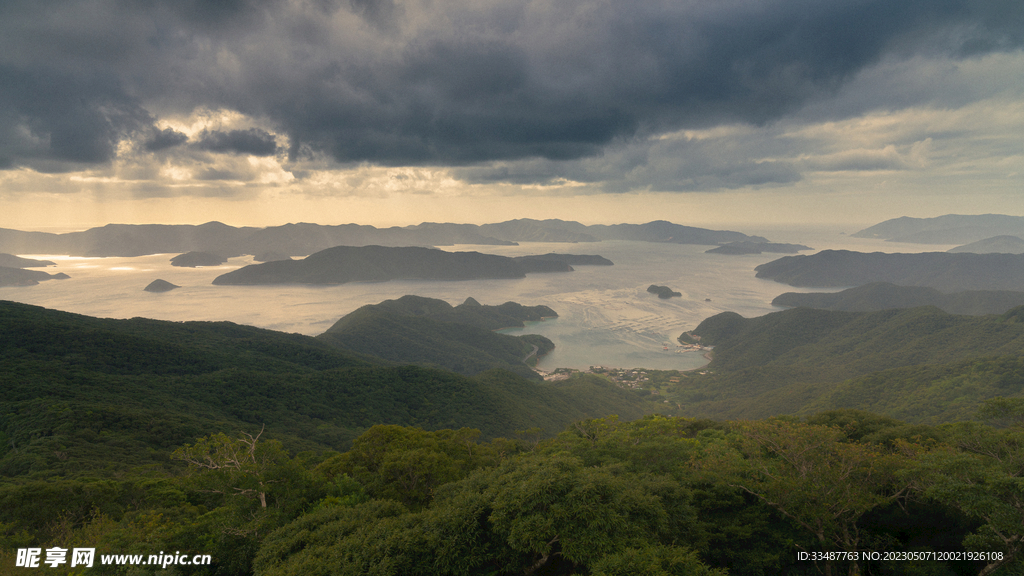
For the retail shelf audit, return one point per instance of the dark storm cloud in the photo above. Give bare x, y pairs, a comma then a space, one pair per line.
164, 139
50, 117
448, 81
252, 141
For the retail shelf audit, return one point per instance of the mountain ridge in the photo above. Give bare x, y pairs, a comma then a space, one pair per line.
301, 239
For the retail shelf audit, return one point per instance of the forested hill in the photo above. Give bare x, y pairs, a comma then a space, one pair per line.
413, 329
844, 344
932, 366
940, 270
884, 296
85, 395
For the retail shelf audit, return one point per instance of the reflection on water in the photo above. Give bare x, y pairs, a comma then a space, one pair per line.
606, 316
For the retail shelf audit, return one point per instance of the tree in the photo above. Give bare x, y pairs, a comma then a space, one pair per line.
407, 464
982, 474
813, 476
237, 466
533, 514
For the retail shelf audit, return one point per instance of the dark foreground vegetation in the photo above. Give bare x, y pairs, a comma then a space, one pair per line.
657, 495
279, 454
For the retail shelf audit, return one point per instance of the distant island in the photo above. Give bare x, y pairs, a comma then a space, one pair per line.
19, 277
197, 259
663, 292
746, 247
343, 264
574, 259
886, 296
939, 270
948, 229
301, 239
159, 285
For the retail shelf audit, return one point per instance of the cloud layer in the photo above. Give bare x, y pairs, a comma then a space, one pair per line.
524, 92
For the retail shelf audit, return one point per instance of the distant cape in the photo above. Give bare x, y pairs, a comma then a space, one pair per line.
948, 229
18, 277
11, 261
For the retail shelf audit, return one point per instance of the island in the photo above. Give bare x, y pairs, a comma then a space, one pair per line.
197, 259
159, 285
343, 264
746, 247
573, 259
663, 292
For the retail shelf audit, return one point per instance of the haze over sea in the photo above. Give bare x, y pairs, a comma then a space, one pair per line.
606, 316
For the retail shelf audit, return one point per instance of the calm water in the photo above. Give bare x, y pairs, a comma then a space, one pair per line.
606, 316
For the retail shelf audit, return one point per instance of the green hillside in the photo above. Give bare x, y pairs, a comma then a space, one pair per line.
414, 329
921, 364
96, 396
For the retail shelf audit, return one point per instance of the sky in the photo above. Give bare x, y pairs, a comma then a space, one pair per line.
396, 112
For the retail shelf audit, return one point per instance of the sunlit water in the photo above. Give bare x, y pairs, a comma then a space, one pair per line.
606, 316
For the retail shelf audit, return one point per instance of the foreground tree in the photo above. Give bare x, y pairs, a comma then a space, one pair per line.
982, 474
819, 480
533, 514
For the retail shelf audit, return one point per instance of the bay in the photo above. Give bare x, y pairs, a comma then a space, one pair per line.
605, 314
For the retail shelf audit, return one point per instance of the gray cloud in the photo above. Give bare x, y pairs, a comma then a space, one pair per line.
253, 141
454, 81
164, 139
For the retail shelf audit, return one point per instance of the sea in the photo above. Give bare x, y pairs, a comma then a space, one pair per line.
606, 317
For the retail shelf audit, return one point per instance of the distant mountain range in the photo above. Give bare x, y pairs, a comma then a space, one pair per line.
302, 239
886, 296
943, 271
948, 229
